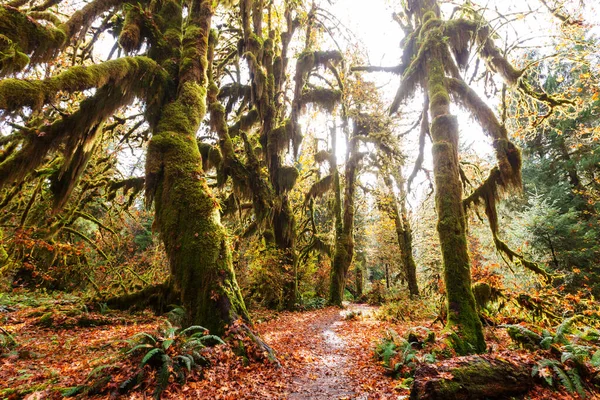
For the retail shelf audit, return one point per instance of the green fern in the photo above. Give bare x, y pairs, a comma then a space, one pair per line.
162, 377
150, 355
595, 360
577, 382
564, 328
570, 379
194, 328
385, 350
181, 359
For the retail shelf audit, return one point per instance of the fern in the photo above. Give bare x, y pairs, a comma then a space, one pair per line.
575, 352
150, 355
577, 383
595, 361
385, 350
564, 328
186, 360
194, 328
564, 378
131, 382
176, 315
167, 343
143, 335
162, 378
139, 347
570, 379
208, 338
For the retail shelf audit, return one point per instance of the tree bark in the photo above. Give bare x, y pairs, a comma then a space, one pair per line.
344, 240
469, 378
404, 234
463, 320
187, 214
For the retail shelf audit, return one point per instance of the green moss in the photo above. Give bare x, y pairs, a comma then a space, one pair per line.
28, 37
142, 71
322, 97
11, 58
130, 36
287, 177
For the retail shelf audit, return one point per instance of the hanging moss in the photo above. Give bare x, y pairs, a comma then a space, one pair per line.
327, 99
11, 58
211, 156
68, 131
322, 156
245, 122
29, 37
287, 176
139, 71
67, 178
130, 186
319, 188
130, 36
323, 58
487, 195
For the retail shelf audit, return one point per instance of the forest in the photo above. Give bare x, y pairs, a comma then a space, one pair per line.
293, 199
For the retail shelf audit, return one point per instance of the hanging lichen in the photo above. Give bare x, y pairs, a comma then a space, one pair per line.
287, 176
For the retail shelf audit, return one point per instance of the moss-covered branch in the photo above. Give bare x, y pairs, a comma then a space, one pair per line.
68, 132
17, 93
24, 41
487, 195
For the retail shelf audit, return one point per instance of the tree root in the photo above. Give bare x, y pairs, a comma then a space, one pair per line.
156, 297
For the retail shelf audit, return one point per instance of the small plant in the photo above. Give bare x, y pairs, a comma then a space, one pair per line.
549, 369
172, 352
573, 354
400, 357
7, 341
314, 303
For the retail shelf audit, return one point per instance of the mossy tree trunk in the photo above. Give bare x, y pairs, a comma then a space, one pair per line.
267, 61
462, 313
171, 81
403, 233
472, 377
344, 238
187, 214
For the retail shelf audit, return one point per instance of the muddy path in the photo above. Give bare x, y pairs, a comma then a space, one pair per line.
325, 371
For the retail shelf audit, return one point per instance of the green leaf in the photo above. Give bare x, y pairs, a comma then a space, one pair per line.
145, 335
162, 378
138, 347
546, 342
167, 343
193, 328
187, 360
596, 359
150, 355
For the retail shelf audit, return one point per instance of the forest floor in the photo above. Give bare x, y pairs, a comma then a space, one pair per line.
324, 354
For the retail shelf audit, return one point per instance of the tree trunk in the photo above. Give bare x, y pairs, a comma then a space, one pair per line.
404, 235
186, 212
359, 280
471, 378
344, 239
463, 319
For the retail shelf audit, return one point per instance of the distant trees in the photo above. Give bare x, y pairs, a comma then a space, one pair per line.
435, 52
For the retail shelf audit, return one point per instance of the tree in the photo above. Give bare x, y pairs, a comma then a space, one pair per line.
402, 225
435, 51
171, 81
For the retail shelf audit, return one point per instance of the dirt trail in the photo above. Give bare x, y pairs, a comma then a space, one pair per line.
325, 371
